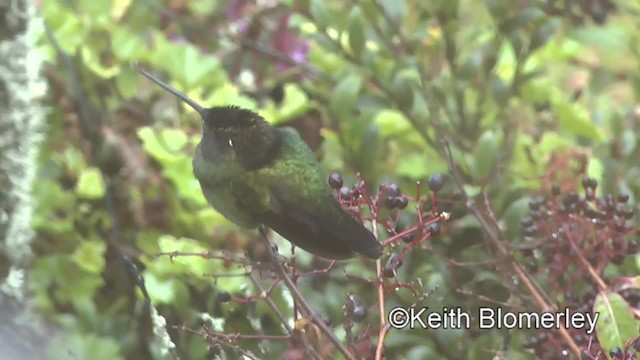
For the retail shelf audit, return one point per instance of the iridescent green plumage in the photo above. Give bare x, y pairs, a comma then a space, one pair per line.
254, 175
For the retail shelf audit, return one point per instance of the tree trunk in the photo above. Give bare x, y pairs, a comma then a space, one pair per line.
21, 116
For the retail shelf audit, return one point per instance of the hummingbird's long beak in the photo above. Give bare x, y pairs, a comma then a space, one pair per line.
175, 92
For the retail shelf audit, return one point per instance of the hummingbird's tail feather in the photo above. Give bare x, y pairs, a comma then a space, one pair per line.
338, 240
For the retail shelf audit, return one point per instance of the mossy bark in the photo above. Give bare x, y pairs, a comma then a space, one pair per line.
21, 117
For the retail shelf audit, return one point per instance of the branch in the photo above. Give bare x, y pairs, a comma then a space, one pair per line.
304, 305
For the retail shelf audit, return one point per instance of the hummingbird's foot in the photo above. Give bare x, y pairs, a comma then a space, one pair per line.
263, 231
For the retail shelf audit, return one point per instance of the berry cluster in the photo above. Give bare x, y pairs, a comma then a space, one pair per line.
629, 352
569, 239
547, 345
572, 235
426, 225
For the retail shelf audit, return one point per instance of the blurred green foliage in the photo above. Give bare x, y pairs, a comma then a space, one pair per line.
516, 87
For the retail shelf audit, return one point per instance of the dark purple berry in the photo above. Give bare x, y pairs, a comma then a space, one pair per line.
617, 259
589, 183
571, 297
335, 181
636, 344
526, 252
436, 182
555, 190
358, 314
353, 301
407, 238
531, 230
388, 272
526, 221
616, 353
434, 229
224, 296
531, 265
590, 212
535, 215
393, 190
401, 202
623, 198
584, 355
571, 199
345, 193
393, 263
390, 202
633, 246
534, 205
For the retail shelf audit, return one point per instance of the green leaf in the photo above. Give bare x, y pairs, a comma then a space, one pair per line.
204, 7
514, 213
126, 46
161, 291
356, 31
296, 103
543, 33
486, 155
198, 67
477, 351
608, 39
344, 96
188, 65
94, 9
84, 345
576, 120
319, 13
73, 160
193, 264
120, 7
94, 61
472, 190
595, 169
391, 123
395, 10
616, 323
68, 29
369, 147
628, 142
128, 82
90, 185
89, 256
164, 145
413, 166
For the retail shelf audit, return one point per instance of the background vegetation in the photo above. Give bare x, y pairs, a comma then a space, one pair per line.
507, 98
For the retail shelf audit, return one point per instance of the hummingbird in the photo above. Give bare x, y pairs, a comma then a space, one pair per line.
259, 176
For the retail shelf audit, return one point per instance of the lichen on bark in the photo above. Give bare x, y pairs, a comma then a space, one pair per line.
21, 117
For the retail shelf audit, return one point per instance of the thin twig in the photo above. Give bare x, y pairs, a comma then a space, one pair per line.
302, 302
380, 286
264, 295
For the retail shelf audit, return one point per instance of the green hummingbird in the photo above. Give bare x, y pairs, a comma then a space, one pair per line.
256, 175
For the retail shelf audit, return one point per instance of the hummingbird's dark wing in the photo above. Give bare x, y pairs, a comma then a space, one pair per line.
331, 233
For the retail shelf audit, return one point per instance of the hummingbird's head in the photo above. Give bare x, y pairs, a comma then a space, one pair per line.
244, 132
232, 128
